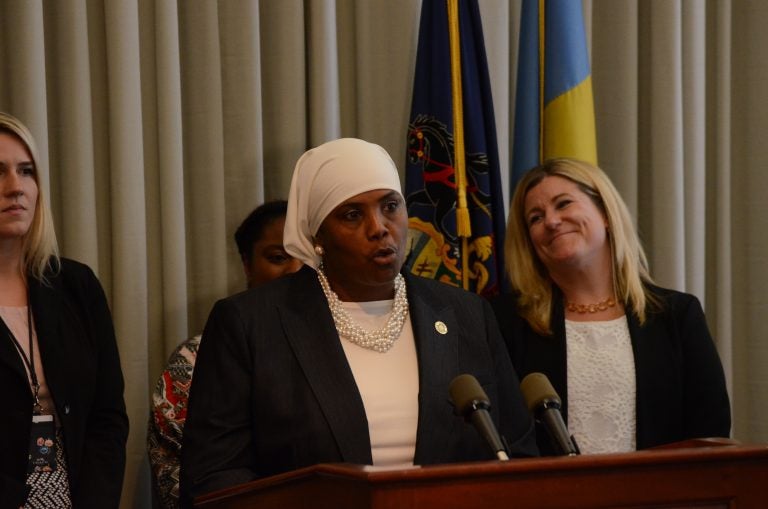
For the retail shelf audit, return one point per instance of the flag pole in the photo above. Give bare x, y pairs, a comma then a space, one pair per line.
542, 67
463, 226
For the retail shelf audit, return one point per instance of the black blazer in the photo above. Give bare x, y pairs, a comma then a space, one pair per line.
82, 368
681, 391
272, 389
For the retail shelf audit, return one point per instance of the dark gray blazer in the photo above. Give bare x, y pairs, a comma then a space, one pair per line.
681, 391
272, 390
82, 368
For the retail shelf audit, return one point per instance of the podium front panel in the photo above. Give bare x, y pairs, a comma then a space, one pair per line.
722, 477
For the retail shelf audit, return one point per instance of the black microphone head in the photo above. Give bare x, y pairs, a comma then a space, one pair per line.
467, 394
538, 391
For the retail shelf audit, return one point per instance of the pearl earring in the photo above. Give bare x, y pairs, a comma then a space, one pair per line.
319, 251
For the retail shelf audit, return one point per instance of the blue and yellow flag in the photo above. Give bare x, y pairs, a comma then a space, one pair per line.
554, 109
452, 180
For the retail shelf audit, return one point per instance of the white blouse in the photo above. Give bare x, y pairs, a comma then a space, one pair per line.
388, 383
601, 385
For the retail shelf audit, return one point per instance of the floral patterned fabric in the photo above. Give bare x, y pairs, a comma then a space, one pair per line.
166, 421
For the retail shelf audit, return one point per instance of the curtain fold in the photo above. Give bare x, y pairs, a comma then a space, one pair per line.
694, 82
161, 124
386, 35
204, 171
616, 88
719, 278
243, 169
127, 204
23, 56
749, 223
284, 91
164, 168
322, 73
69, 66
663, 224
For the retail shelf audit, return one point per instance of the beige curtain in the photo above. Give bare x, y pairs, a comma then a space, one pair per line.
162, 123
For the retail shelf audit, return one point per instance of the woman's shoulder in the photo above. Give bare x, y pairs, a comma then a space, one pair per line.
69, 275
75, 267
73, 286
672, 299
505, 307
67, 269
289, 288
504, 301
434, 290
673, 306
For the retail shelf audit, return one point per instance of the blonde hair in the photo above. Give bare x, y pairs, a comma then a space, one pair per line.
39, 247
530, 278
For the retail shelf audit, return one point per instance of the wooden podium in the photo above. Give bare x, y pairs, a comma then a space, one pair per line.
698, 474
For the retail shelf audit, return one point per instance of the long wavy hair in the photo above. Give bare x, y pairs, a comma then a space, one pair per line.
528, 275
39, 251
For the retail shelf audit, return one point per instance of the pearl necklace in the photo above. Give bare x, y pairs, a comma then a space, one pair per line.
379, 340
591, 308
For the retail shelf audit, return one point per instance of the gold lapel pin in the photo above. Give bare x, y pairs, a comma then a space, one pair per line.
441, 327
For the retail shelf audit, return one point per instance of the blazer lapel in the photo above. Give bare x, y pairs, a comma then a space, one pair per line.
44, 303
47, 309
438, 364
648, 372
549, 354
45, 306
310, 330
9, 355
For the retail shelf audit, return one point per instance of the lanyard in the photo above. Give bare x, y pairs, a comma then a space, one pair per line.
37, 409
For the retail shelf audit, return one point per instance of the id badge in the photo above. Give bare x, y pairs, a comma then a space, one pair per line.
42, 445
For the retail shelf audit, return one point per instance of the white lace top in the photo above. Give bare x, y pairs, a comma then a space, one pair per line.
601, 386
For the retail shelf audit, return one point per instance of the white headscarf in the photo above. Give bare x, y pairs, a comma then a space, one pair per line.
326, 176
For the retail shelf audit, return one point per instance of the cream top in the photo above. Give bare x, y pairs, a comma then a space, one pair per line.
388, 384
601, 385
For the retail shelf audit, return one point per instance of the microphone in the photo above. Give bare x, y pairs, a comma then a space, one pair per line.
544, 403
471, 402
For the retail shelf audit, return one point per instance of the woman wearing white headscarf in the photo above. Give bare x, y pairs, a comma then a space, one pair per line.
347, 360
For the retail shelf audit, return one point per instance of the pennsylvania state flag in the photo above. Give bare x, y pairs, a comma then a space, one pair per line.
554, 109
452, 180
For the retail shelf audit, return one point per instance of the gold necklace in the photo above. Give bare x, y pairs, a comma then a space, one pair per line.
591, 308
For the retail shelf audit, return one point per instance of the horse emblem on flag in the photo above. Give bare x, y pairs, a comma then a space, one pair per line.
432, 228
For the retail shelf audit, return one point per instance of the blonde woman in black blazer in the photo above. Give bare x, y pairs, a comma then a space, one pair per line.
634, 363
67, 396
680, 385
